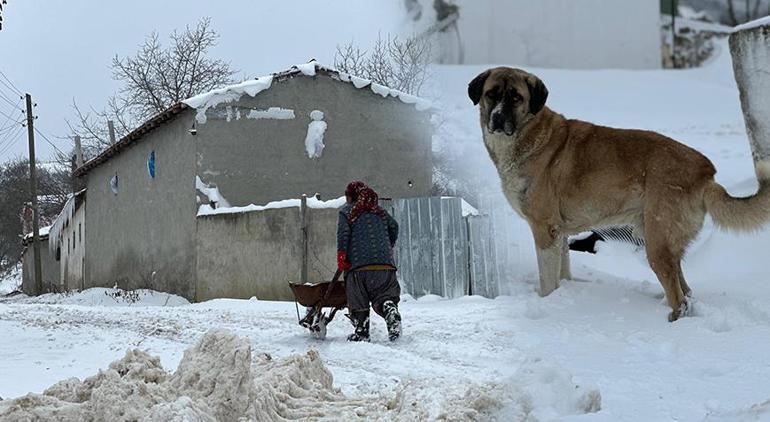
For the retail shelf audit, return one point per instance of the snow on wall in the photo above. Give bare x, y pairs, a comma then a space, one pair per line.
314, 140
211, 193
277, 113
312, 202
202, 102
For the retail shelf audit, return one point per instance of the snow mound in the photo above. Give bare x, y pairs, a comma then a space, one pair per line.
215, 381
542, 390
312, 202
100, 296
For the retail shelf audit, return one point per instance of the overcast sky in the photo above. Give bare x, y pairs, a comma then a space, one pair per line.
61, 50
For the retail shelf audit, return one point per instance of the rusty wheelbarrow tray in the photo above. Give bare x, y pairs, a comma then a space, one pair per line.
315, 297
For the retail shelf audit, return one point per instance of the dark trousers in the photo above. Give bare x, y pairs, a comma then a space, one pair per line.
371, 286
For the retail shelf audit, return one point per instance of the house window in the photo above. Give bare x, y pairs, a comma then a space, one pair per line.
80, 232
68, 245
73, 240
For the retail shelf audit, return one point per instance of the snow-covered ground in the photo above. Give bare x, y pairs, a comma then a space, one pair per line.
602, 340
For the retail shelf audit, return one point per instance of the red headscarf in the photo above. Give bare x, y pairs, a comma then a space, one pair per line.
353, 188
367, 201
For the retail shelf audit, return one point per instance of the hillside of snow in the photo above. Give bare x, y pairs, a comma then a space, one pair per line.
598, 349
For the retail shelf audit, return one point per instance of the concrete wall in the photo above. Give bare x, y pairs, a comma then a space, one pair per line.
73, 248
751, 61
383, 142
49, 266
258, 253
586, 34
144, 237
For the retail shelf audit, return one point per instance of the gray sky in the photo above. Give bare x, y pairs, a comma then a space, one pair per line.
60, 50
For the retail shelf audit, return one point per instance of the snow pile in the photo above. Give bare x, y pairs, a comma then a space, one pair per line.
277, 113
100, 296
542, 390
314, 141
307, 69
204, 101
312, 202
11, 281
218, 379
211, 193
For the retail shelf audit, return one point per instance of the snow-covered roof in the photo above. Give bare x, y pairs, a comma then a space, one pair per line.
753, 24
206, 100
42, 231
252, 87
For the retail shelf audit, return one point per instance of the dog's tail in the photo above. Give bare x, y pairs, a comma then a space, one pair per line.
741, 214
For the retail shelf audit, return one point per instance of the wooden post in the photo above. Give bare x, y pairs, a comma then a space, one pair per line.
111, 127
304, 239
33, 193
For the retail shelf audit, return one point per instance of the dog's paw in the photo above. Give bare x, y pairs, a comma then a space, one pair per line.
683, 311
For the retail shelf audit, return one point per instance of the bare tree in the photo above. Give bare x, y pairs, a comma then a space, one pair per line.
397, 64
155, 78
751, 11
54, 189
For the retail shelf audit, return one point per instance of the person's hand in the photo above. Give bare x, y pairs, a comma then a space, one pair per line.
342, 261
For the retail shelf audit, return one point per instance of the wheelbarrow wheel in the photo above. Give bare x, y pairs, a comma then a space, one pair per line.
319, 328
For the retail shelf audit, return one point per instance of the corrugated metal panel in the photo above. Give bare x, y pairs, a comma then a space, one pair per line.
442, 252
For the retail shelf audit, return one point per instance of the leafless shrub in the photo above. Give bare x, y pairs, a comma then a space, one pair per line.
395, 63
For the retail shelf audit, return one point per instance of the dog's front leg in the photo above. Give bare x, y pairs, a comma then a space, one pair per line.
550, 250
566, 273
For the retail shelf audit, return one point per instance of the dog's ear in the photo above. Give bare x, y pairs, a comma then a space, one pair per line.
476, 87
538, 93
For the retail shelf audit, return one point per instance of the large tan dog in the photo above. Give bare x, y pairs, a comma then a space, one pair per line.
568, 176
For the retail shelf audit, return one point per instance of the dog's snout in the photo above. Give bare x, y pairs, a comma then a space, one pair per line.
497, 121
501, 121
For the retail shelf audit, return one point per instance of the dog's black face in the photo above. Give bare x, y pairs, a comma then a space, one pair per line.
507, 97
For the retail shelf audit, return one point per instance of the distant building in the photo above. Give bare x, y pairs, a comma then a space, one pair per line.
303, 131
586, 34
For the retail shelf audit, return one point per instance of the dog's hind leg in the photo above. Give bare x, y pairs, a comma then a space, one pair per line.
682, 282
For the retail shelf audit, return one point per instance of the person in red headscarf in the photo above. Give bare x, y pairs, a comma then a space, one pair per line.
366, 235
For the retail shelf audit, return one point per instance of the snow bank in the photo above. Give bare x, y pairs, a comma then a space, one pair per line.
314, 140
215, 381
100, 296
312, 202
42, 231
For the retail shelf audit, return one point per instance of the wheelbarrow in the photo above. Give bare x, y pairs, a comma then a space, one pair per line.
317, 296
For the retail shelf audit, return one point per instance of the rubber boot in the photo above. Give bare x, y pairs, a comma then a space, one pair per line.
392, 319
360, 320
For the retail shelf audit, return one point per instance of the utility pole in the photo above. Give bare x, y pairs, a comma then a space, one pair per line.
111, 127
33, 191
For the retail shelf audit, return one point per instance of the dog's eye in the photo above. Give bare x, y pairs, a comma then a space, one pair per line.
492, 94
516, 98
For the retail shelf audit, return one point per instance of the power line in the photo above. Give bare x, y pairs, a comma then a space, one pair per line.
50, 142
11, 140
8, 100
12, 87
